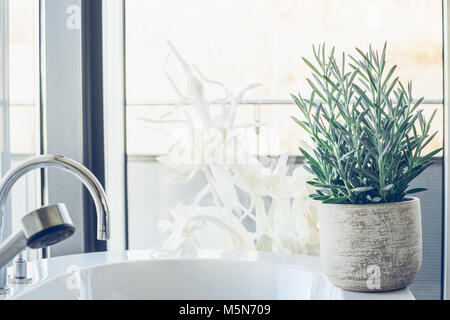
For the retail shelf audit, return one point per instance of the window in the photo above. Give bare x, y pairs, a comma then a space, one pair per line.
23, 104
242, 42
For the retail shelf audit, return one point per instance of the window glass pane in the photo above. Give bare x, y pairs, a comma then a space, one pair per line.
241, 42
22, 50
23, 123
23, 130
149, 134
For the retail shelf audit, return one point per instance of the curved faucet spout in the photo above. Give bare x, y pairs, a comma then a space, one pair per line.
81, 172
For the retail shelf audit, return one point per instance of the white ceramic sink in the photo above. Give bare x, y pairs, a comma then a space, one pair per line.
184, 279
199, 275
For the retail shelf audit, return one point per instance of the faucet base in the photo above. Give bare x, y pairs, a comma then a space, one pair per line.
20, 275
17, 280
4, 291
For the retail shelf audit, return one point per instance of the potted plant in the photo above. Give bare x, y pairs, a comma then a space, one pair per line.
369, 136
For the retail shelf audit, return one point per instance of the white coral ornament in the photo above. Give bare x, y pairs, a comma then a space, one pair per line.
288, 225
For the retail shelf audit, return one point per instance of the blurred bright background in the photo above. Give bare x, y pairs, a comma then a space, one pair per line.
241, 42
238, 43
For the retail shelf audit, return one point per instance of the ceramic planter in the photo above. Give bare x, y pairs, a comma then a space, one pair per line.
373, 247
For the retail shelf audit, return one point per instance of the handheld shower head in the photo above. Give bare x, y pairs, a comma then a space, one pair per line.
47, 226
42, 228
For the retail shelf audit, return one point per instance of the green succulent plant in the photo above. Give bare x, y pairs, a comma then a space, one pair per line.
368, 131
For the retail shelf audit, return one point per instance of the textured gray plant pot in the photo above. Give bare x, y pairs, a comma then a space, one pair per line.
373, 247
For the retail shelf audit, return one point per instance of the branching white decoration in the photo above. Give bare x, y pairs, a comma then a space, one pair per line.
215, 146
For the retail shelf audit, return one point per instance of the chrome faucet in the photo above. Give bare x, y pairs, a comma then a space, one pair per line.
81, 172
